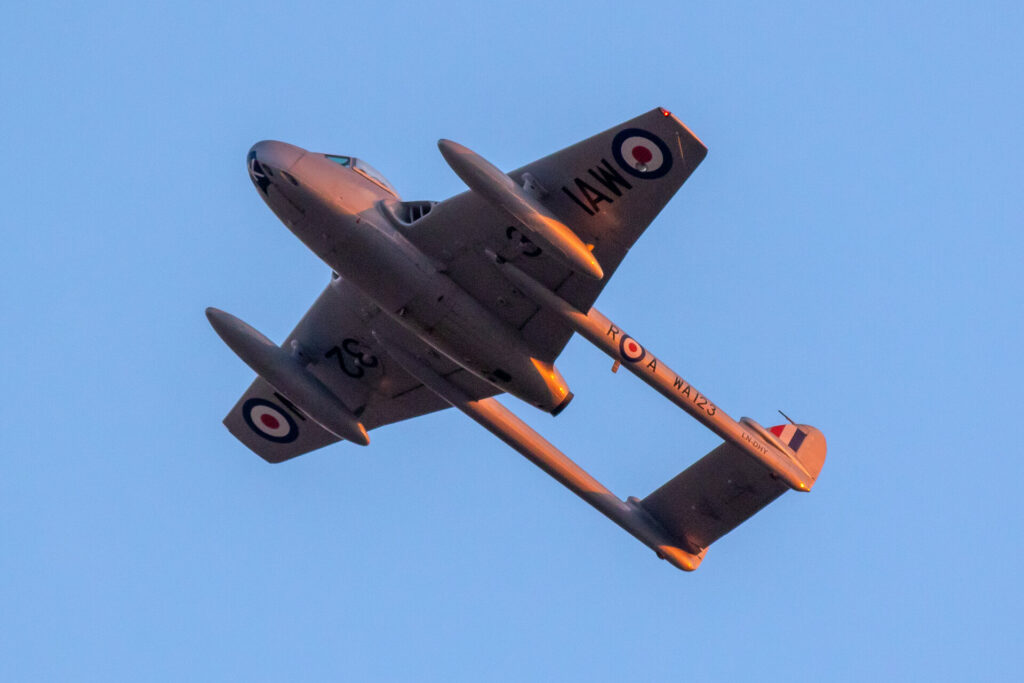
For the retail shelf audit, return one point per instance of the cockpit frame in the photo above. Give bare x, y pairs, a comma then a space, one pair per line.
364, 169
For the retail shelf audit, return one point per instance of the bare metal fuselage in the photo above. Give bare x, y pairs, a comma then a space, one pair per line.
336, 212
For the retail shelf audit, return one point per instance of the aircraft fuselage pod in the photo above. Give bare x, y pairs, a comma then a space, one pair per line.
334, 205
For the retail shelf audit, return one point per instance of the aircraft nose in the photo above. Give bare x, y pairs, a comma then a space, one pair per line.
277, 155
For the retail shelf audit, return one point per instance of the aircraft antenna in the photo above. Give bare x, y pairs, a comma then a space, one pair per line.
787, 418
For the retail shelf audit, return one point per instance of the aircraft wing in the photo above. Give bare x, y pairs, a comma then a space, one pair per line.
607, 189
335, 335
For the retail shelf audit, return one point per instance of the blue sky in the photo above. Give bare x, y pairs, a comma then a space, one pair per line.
849, 252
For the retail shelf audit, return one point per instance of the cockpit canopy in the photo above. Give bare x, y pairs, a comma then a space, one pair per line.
363, 169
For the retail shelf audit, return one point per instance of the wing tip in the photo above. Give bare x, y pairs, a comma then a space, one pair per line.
689, 132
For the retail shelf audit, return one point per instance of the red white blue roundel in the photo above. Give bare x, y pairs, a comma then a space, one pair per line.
269, 421
641, 154
631, 350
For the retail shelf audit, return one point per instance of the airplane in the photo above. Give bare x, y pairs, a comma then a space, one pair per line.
439, 304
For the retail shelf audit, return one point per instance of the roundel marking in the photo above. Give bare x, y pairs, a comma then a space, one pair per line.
631, 350
641, 154
269, 420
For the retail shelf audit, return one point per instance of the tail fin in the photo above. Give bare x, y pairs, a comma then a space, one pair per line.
807, 443
726, 487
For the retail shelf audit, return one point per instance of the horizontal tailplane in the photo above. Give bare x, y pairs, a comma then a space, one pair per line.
726, 487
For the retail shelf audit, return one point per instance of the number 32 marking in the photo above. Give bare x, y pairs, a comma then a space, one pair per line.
351, 358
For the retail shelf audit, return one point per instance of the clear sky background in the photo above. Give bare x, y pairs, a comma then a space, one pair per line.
850, 252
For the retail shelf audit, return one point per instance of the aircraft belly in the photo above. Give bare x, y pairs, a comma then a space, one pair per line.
462, 330
400, 280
